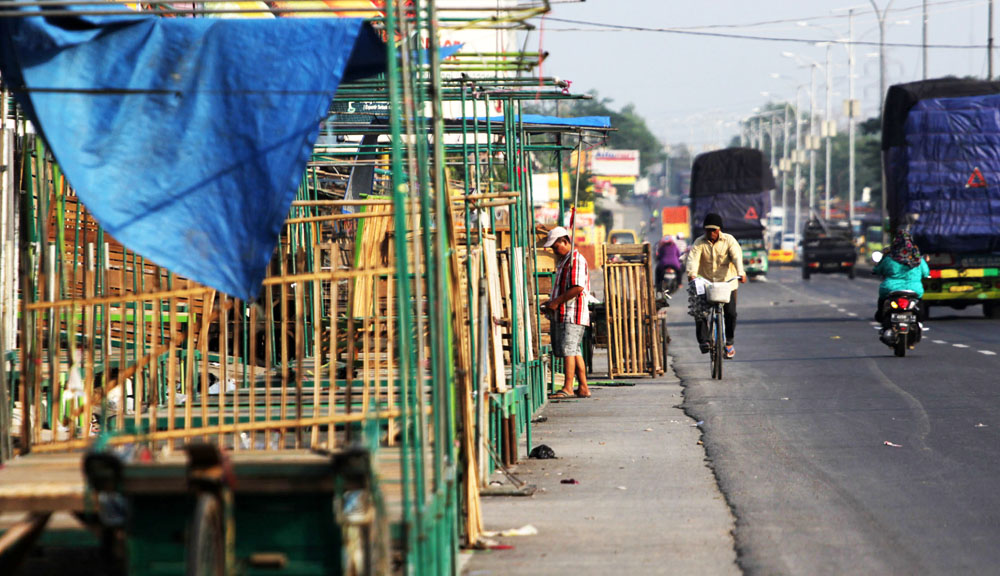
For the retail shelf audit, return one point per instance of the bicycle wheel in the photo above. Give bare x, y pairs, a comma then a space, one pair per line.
206, 551
710, 335
719, 352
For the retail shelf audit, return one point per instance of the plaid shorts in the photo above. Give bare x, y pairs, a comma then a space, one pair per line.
566, 339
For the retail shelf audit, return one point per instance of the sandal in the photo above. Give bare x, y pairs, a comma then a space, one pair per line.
578, 395
560, 395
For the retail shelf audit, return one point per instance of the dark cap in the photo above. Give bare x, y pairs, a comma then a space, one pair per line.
712, 220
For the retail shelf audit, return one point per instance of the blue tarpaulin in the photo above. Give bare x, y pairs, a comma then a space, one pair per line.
943, 163
185, 138
736, 184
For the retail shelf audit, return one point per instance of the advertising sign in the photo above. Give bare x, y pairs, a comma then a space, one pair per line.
607, 162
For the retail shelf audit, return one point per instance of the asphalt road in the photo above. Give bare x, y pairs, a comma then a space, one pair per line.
797, 429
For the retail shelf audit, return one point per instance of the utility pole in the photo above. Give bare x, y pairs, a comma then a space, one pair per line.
784, 180
851, 112
881, 97
881, 52
829, 124
812, 137
924, 42
989, 43
798, 165
770, 214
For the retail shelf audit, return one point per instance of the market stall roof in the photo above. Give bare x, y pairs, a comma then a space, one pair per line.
186, 138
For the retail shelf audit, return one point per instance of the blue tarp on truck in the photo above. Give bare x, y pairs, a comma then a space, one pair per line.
735, 183
941, 155
941, 141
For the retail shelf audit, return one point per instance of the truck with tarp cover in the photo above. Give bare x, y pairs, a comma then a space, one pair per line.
941, 157
735, 183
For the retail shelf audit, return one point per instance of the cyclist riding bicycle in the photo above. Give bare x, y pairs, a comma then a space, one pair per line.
717, 257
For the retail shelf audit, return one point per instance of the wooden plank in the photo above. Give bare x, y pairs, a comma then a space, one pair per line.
42, 483
18, 540
491, 264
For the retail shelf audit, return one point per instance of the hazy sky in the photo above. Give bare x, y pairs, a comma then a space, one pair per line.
695, 89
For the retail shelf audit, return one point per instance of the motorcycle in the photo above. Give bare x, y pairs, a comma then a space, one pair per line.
670, 281
900, 315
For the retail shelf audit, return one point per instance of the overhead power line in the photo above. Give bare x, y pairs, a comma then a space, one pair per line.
605, 27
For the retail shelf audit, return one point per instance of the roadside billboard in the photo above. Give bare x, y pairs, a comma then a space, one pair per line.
608, 162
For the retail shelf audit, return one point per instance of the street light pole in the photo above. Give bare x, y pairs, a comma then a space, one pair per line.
881, 100
770, 214
812, 136
989, 42
850, 114
784, 180
828, 123
798, 165
881, 51
924, 42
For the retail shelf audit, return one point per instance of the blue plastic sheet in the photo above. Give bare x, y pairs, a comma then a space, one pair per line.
185, 138
931, 178
736, 184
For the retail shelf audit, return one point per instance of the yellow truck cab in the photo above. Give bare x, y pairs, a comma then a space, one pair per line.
622, 237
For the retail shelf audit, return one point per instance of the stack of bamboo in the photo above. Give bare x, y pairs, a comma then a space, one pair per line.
634, 346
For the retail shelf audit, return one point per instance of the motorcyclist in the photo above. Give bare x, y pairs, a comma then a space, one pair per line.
903, 269
668, 256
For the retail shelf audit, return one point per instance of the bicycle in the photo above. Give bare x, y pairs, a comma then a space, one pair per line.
717, 294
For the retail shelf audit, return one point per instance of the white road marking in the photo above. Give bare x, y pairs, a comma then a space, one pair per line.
960, 345
988, 352
841, 310
939, 341
851, 314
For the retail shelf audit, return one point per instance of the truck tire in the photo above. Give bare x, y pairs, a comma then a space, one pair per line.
991, 310
924, 313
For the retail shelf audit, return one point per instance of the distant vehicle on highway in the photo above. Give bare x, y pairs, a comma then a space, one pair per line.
622, 237
828, 247
736, 183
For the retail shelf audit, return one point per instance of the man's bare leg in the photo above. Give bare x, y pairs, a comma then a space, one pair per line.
570, 365
581, 375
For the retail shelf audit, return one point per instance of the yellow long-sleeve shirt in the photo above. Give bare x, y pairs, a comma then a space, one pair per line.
718, 261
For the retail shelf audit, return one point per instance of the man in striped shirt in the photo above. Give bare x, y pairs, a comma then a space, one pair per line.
569, 313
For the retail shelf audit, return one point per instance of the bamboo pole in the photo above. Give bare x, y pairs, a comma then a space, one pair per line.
177, 434
317, 311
